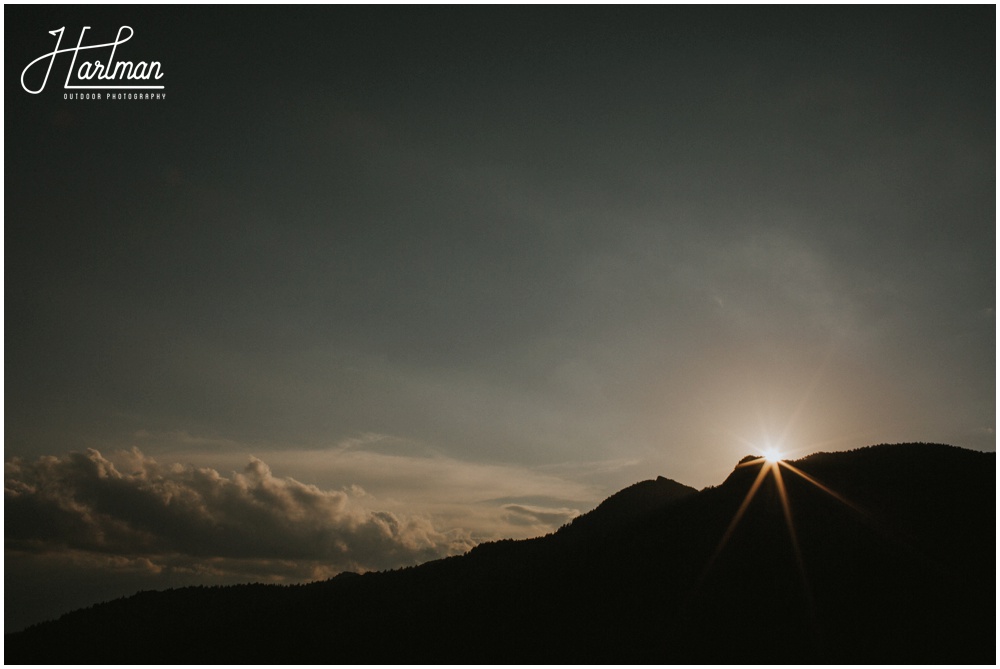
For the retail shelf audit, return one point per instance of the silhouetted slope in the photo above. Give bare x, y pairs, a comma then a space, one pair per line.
631, 504
904, 573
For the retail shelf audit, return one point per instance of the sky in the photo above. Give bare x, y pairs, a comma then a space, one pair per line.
368, 286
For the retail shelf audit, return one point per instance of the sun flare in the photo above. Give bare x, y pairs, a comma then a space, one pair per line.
772, 455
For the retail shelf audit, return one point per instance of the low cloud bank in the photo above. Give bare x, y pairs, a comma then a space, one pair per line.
83, 528
183, 517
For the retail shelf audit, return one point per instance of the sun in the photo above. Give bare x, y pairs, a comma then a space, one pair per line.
772, 455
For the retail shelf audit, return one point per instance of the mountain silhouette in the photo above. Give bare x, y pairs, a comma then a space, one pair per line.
884, 554
631, 504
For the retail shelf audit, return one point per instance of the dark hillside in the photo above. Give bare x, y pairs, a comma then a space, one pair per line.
890, 559
631, 504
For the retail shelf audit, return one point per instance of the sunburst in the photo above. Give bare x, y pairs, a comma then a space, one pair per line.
772, 455
771, 463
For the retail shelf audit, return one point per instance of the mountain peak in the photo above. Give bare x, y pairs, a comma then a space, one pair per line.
633, 502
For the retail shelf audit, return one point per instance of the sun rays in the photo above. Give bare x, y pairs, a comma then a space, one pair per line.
771, 463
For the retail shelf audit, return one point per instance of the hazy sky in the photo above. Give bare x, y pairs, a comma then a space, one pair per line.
371, 285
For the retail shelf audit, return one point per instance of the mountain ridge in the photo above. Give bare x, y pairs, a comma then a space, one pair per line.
886, 543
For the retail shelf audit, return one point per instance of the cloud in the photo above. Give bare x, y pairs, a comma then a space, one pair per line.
410, 476
527, 515
85, 527
136, 508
